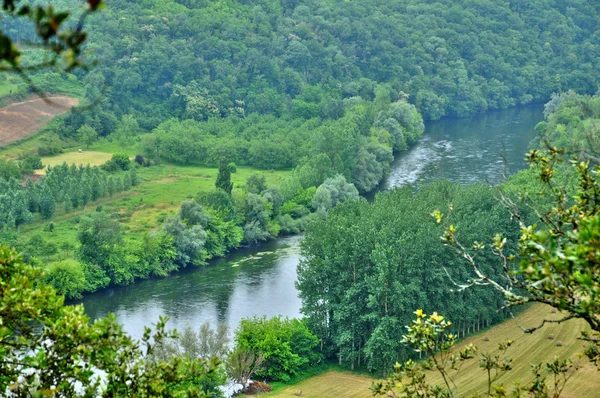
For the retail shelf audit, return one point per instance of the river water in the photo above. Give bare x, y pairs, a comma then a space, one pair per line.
260, 281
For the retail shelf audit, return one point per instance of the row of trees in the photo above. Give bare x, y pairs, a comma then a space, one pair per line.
69, 186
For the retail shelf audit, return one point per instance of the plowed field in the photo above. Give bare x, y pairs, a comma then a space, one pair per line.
22, 119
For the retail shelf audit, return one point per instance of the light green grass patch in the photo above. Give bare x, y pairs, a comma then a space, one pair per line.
7, 88
83, 158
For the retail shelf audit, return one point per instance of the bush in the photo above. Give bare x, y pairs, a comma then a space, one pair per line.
67, 277
119, 161
287, 345
30, 162
139, 159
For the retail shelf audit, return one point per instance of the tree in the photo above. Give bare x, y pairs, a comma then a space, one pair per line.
256, 183
287, 345
334, 190
98, 235
126, 131
430, 335
19, 211
64, 353
68, 204
192, 213
67, 277
241, 365
557, 262
30, 162
87, 135
224, 177
189, 241
47, 203
121, 160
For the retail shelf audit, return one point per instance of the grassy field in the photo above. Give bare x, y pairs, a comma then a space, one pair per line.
144, 207
527, 349
84, 158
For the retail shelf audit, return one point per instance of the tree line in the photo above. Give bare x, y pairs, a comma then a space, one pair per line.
70, 186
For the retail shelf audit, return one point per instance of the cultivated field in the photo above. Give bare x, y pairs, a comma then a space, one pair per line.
541, 346
22, 119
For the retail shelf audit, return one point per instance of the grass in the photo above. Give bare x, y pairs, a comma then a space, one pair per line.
527, 349
7, 88
144, 207
84, 158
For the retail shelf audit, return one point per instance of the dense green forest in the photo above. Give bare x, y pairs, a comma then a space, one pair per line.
273, 79
367, 266
299, 58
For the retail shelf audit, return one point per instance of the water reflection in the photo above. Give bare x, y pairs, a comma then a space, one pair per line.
249, 282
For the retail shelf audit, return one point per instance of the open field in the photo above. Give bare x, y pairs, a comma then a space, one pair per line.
84, 158
331, 384
527, 349
144, 207
22, 119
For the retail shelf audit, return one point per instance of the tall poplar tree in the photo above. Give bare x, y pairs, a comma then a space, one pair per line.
224, 177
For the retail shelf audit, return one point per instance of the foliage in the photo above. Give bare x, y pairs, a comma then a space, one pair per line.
70, 185
67, 277
98, 235
119, 161
333, 191
29, 162
556, 265
224, 177
304, 59
87, 134
256, 184
573, 124
242, 365
54, 33
188, 241
287, 345
49, 348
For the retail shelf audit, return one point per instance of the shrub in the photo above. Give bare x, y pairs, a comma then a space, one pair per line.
67, 277
139, 159
287, 345
119, 161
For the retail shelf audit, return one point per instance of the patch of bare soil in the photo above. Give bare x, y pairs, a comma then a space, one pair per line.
21, 119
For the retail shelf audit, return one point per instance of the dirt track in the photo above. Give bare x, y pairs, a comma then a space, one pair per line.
21, 119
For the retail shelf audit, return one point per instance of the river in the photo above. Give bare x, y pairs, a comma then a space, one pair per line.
260, 281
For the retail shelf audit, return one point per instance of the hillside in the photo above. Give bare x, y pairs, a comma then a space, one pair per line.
535, 348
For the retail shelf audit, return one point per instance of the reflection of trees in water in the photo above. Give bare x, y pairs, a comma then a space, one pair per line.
179, 295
